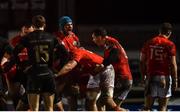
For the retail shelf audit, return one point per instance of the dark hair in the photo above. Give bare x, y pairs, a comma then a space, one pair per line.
100, 32
165, 28
27, 24
38, 21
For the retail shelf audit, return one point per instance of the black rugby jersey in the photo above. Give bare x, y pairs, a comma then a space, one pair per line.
41, 48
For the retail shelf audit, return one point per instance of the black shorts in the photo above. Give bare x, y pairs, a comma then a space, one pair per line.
20, 77
24, 99
67, 81
40, 83
57, 98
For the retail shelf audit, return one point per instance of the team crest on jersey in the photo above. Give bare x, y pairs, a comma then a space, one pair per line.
75, 43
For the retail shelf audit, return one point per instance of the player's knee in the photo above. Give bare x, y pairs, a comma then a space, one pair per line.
92, 95
106, 96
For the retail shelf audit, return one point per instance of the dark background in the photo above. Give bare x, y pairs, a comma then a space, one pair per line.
126, 11
93, 11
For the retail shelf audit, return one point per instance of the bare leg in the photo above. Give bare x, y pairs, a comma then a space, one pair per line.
163, 104
21, 106
59, 106
106, 99
33, 100
118, 102
91, 98
48, 101
149, 101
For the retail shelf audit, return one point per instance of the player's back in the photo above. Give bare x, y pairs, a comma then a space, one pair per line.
86, 59
118, 58
114, 44
158, 52
40, 46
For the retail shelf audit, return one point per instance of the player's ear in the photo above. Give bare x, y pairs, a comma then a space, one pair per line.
169, 33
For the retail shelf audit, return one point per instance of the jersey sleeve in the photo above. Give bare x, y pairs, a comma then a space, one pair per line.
77, 55
112, 58
172, 49
14, 57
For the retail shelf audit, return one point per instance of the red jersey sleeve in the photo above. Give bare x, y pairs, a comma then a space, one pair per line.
77, 55
172, 49
15, 40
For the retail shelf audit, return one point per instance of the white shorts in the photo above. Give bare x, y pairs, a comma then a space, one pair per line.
107, 77
160, 86
93, 81
122, 88
103, 79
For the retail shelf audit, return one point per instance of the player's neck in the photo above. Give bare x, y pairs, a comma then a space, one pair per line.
165, 36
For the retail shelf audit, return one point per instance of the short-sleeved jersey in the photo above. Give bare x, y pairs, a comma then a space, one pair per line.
15, 40
86, 59
40, 48
12, 72
23, 54
158, 52
70, 41
114, 54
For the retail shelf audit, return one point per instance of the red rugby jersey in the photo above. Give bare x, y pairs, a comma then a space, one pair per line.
158, 52
121, 66
23, 54
15, 40
86, 59
70, 41
12, 72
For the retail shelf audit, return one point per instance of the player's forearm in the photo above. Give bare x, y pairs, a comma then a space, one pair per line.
143, 66
174, 73
67, 68
174, 68
174, 77
143, 70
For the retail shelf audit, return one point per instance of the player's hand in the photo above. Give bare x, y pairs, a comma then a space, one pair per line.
98, 68
142, 82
